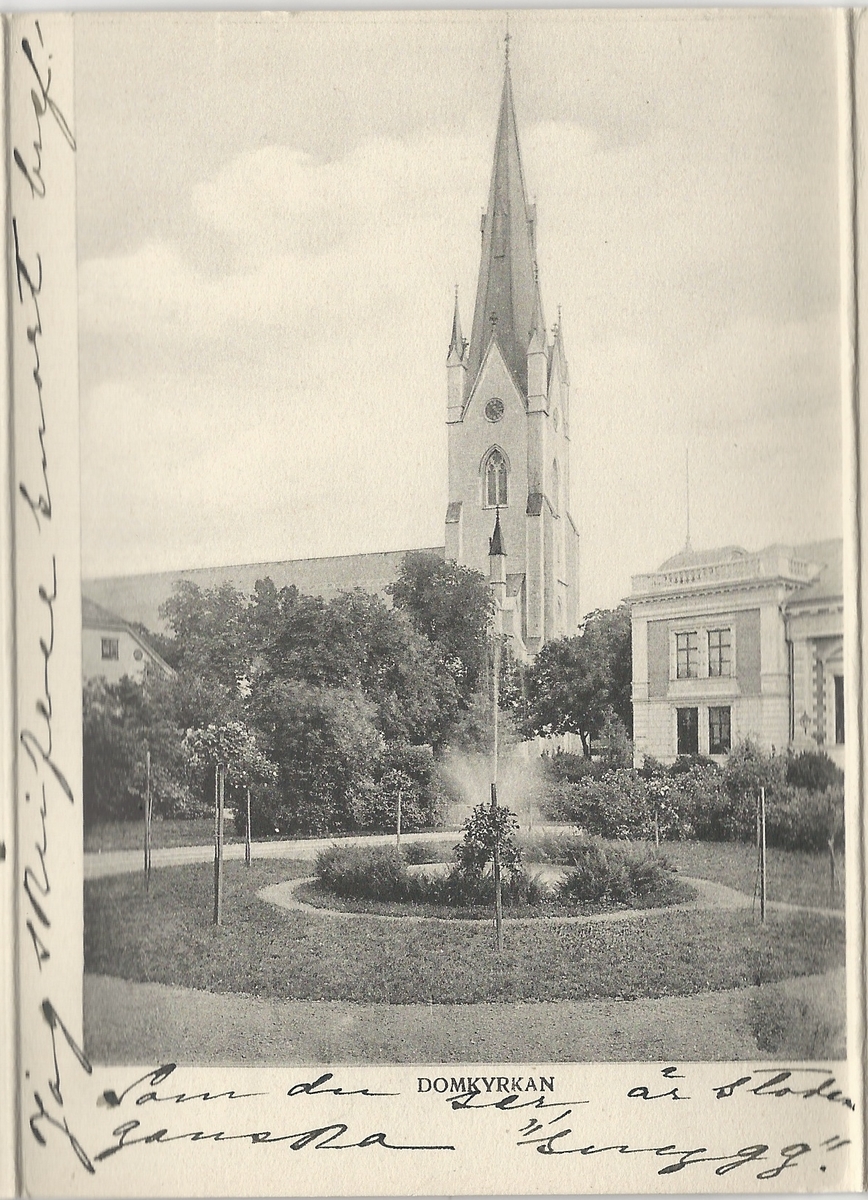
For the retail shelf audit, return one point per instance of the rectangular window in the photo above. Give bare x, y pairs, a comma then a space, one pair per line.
719, 652
719, 731
839, 710
687, 655
688, 730
110, 648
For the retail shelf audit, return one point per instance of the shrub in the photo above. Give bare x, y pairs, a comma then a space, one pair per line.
612, 874
748, 769
475, 889
420, 853
483, 829
798, 819
613, 805
364, 872
412, 771
572, 768
564, 848
690, 762
813, 769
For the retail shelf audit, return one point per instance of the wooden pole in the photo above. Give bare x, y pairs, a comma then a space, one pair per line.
216, 832
148, 820
498, 887
218, 849
762, 854
398, 819
657, 827
247, 833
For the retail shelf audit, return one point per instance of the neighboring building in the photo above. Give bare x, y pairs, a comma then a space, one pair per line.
729, 645
508, 412
111, 648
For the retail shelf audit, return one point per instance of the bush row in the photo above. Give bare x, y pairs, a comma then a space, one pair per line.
698, 799
595, 874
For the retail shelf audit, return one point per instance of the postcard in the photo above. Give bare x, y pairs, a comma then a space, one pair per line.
433, 645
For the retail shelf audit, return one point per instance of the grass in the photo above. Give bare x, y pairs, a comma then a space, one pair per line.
264, 951
792, 877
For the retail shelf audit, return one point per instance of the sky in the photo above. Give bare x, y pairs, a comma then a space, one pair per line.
274, 211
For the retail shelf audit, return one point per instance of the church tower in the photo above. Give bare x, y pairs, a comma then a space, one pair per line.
508, 417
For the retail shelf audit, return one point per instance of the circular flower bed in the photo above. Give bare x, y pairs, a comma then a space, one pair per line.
593, 879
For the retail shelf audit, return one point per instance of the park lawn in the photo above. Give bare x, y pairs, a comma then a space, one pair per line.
792, 876
261, 950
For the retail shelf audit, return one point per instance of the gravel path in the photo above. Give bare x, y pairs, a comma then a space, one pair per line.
98, 865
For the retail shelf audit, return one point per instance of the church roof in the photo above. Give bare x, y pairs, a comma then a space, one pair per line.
506, 293
139, 597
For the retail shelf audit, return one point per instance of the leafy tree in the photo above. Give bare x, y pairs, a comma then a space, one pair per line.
568, 690
121, 723
452, 606
355, 642
328, 752
486, 827
211, 652
577, 683
610, 633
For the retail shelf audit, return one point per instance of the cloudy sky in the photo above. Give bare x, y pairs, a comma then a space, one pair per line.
273, 212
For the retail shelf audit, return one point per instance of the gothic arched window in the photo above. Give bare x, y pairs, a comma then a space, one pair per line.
495, 480
556, 487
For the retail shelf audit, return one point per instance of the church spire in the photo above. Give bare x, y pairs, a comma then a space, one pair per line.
507, 289
457, 344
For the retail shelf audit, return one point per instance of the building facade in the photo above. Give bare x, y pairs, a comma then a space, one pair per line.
729, 645
509, 420
111, 648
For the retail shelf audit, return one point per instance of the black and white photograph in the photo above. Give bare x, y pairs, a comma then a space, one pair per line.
465, 544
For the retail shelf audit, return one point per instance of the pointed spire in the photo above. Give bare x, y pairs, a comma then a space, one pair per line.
538, 327
495, 542
507, 287
457, 344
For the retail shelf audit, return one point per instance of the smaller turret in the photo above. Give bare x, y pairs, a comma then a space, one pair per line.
456, 368
537, 361
497, 569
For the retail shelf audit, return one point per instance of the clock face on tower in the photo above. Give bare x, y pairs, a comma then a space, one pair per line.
494, 409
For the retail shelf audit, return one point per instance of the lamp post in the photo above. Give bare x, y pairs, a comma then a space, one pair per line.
497, 579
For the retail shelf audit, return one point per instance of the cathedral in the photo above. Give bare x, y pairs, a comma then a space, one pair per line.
508, 417
508, 420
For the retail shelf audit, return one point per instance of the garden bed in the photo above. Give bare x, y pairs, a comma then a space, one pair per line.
312, 893
260, 950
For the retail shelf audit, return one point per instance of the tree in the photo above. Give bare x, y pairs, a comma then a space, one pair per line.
355, 642
610, 632
578, 683
328, 752
121, 723
568, 690
452, 606
211, 651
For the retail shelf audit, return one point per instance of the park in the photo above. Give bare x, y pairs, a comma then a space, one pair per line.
348, 831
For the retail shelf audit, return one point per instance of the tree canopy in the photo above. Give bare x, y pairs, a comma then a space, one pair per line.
576, 683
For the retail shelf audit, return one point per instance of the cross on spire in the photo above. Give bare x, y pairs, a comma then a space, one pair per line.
506, 40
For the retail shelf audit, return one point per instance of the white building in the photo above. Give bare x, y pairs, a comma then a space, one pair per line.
729, 645
112, 649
